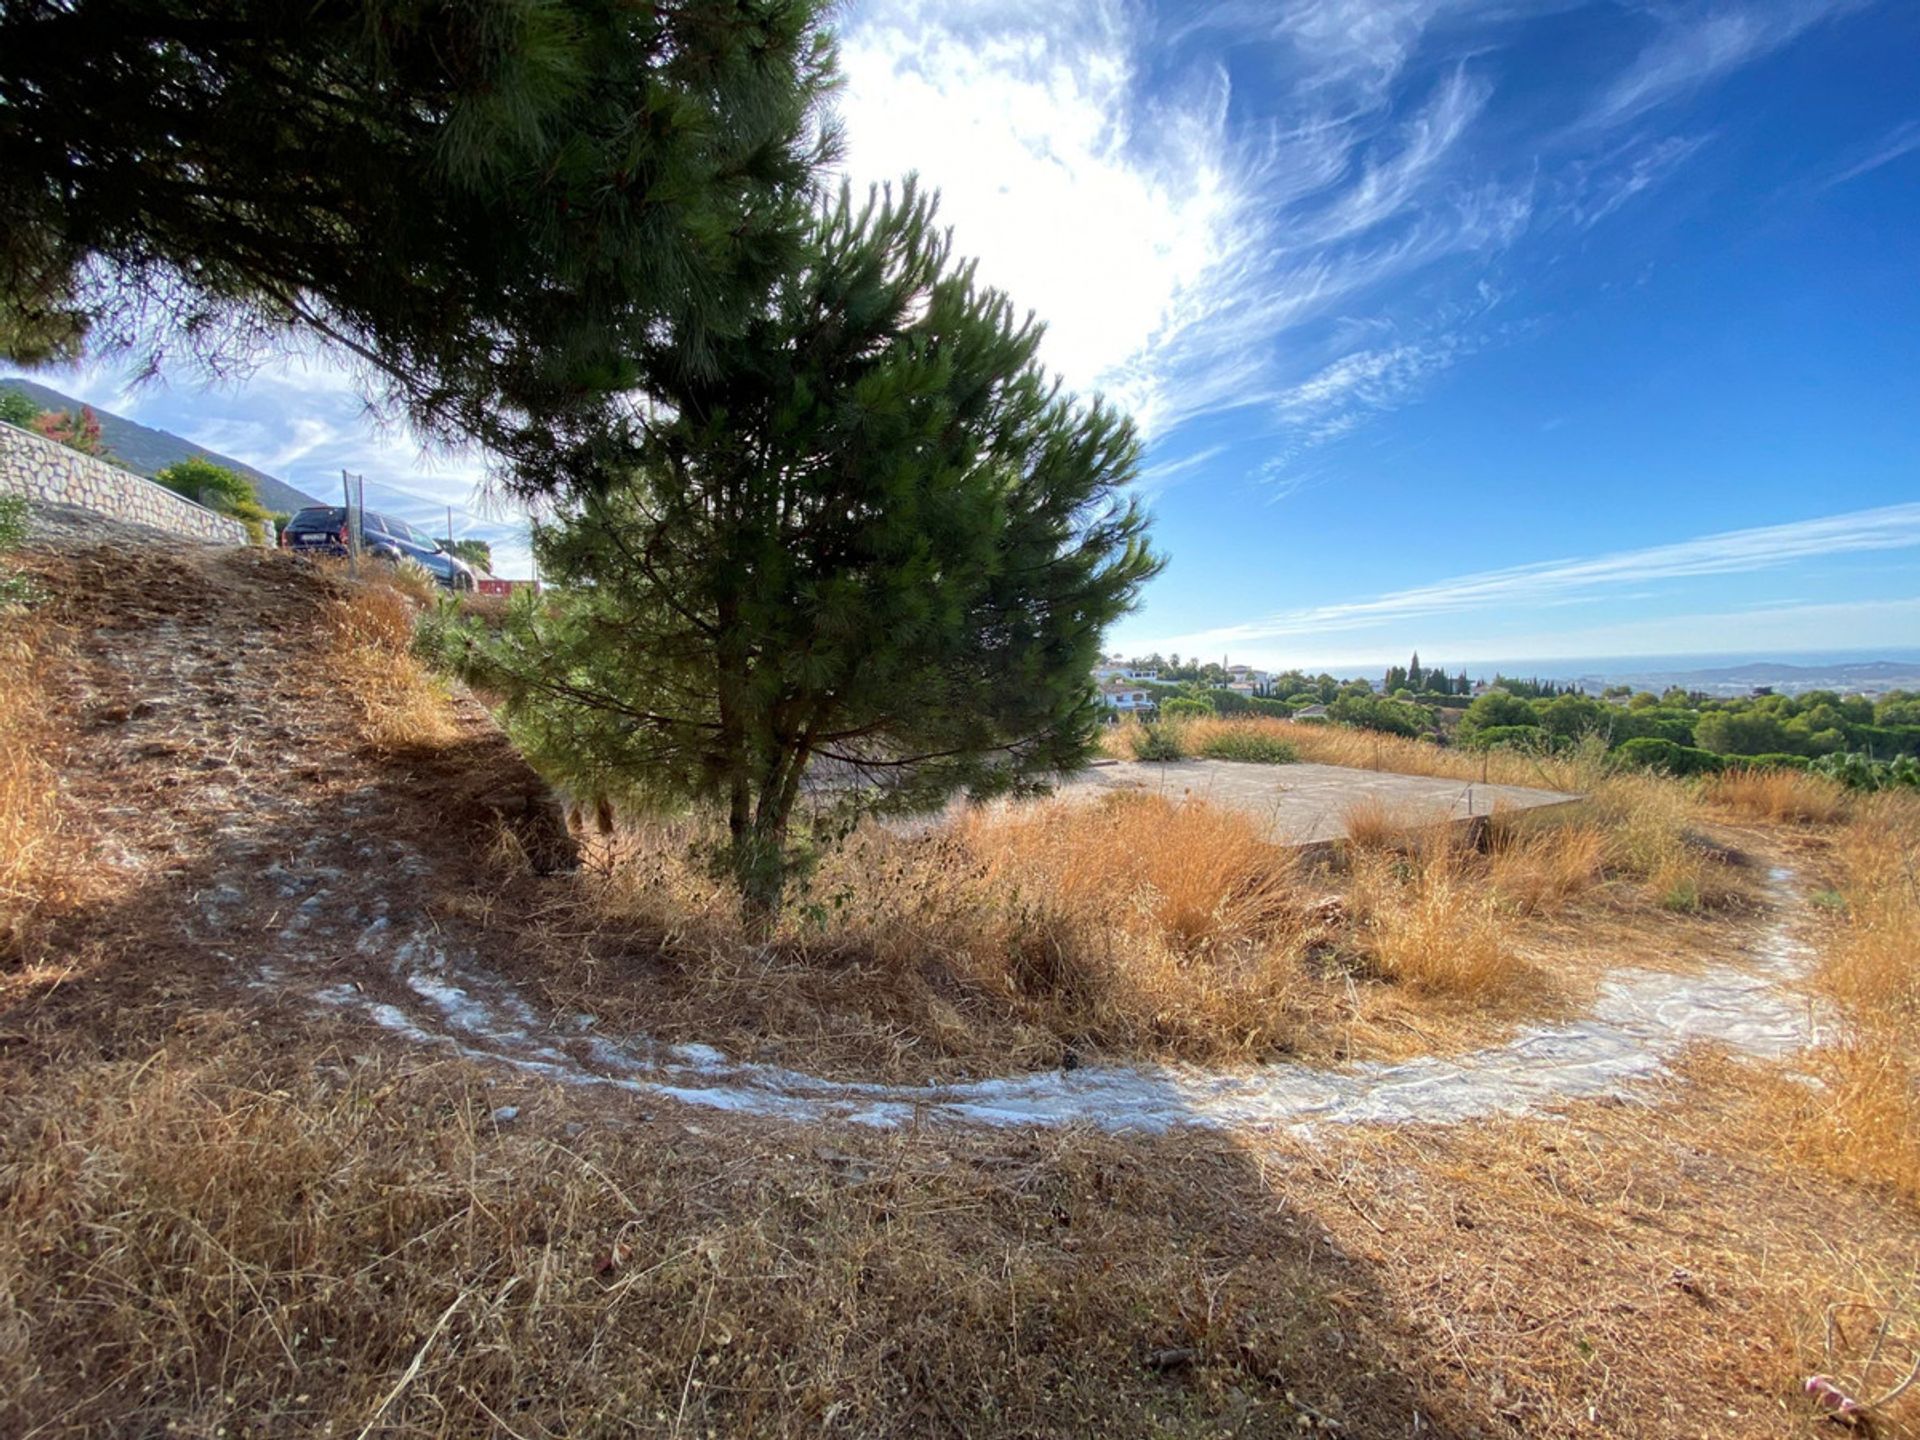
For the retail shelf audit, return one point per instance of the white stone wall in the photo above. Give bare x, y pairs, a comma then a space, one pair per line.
41, 469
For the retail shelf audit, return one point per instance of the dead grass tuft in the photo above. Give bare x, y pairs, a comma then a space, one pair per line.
1134, 923
403, 705
1655, 835
1537, 867
31, 869
1370, 824
1780, 796
1427, 924
1193, 876
1864, 1118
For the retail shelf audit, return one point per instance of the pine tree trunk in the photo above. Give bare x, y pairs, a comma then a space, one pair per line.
760, 874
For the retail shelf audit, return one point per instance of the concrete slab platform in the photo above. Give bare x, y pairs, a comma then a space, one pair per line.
1306, 804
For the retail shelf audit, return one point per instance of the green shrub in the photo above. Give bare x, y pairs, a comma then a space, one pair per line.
14, 589
1862, 772
1156, 742
1510, 737
1232, 702
1249, 745
1776, 762
1185, 706
1647, 753
13, 520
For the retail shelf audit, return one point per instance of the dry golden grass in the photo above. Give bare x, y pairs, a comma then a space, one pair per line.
31, 869
1133, 925
1634, 1270
1191, 875
1538, 867
1130, 926
321, 1242
1369, 750
1654, 829
1428, 921
1781, 796
402, 704
1863, 1119
1370, 824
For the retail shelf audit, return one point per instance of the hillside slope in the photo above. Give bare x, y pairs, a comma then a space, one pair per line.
148, 451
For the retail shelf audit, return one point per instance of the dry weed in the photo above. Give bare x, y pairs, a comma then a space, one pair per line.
1537, 867
403, 705
1135, 923
1864, 1118
30, 859
1653, 829
1187, 873
1427, 922
1780, 796
1369, 823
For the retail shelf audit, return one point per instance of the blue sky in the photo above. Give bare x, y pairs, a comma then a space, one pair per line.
1487, 327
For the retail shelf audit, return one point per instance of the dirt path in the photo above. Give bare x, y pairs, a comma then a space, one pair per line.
261, 843
1643, 1019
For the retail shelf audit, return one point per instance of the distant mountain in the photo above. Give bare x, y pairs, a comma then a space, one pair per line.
149, 451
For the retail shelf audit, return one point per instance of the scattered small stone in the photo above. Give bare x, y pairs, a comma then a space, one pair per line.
506, 1114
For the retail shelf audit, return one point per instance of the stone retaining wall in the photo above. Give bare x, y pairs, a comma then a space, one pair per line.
42, 469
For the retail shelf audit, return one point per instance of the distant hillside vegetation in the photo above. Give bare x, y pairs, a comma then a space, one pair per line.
150, 451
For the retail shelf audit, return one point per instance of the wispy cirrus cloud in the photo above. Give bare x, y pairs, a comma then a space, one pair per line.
1162, 475
1193, 241
1700, 43
1901, 141
1575, 581
1172, 251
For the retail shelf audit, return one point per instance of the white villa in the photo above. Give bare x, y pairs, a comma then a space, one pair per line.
1124, 696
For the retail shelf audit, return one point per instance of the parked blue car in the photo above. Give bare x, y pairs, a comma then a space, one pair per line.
322, 530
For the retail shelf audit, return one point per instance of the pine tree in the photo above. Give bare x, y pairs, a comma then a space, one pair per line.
874, 545
492, 204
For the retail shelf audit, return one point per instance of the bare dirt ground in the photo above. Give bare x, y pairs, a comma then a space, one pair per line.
279, 938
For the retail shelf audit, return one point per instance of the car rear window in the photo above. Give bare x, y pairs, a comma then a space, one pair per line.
318, 518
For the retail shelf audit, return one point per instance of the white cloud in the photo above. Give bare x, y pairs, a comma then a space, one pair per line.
1158, 478
1903, 140
1333, 401
1108, 212
1603, 184
1172, 255
1703, 42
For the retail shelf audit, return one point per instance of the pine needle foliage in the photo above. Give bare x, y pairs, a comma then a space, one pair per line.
866, 559
490, 202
